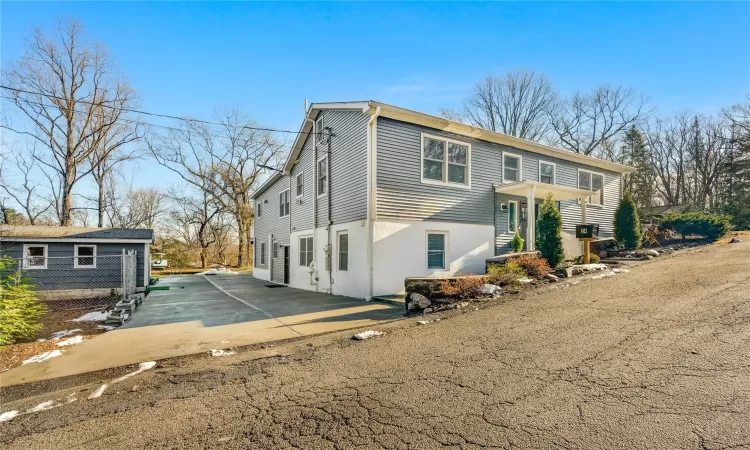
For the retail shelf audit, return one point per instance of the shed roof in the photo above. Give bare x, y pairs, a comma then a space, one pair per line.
43, 232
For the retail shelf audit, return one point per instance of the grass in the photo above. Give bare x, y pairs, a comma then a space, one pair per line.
742, 234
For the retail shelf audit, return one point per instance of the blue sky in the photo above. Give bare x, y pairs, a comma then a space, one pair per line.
266, 58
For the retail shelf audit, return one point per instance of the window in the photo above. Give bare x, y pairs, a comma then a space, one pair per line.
546, 172
511, 167
284, 203
343, 251
305, 251
323, 176
275, 250
262, 253
512, 216
85, 257
300, 185
258, 209
436, 250
445, 161
35, 256
319, 131
592, 181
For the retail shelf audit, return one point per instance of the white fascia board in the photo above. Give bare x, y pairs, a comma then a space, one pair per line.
76, 240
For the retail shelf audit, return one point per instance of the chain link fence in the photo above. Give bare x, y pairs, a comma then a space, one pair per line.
80, 282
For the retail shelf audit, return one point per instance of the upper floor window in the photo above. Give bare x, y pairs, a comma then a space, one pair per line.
546, 172
592, 181
319, 131
511, 167
445, 161
284, 203
323, 176
300, 185
258, 209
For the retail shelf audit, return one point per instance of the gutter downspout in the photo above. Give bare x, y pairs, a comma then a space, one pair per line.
313, 276
371, 194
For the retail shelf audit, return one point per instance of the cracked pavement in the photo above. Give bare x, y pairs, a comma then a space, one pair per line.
655, 358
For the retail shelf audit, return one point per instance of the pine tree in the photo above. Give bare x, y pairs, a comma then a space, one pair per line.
20, 310
549, 232
641, 182
626, 223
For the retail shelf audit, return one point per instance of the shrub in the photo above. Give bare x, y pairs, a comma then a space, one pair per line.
549, 233
532, 265
504, 274
516, 243
593, 259
463, 286
20, 310
711, 226
627, 225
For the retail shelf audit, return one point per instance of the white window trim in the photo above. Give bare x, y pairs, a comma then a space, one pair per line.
296, 183
424, 180
319, 130
258, 209
289, 196
317, 175
75, 257
520, 167
338, 250
604, 179
26, 256
515, 202
554, 171
446, 265
299, 249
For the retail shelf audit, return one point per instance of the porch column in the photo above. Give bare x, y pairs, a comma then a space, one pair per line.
583, 222
530, 219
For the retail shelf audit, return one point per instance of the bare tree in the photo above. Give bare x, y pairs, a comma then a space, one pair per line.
136, 208
196, 218
71, 93
586, 120
667, 141
229, 164
516, 104
26, 193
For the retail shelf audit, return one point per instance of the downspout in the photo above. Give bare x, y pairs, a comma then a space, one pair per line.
329, 256
371, 193
313, 276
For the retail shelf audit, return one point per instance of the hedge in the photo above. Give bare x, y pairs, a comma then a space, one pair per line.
711, 226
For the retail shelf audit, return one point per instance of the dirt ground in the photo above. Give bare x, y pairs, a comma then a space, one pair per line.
655, 358
53, 321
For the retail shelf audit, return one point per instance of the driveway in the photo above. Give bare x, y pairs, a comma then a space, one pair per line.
199, 313
226, 299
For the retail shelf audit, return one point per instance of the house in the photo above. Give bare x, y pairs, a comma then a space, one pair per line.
79, 262
372, 193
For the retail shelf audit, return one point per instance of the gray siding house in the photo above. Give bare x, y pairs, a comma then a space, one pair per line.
77, 262
372, 193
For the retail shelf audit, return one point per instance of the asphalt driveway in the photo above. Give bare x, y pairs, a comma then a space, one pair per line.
227, 299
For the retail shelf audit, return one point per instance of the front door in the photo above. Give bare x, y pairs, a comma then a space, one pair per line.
522, 221
286, 264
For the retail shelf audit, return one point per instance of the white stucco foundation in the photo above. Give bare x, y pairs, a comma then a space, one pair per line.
349, 283
400, 251
262, 274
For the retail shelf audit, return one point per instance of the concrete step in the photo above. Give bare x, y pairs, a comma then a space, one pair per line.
395, 299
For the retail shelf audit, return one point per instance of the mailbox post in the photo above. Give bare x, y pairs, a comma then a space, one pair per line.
585, 233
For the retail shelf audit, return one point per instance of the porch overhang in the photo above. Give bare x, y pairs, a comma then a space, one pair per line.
540, 190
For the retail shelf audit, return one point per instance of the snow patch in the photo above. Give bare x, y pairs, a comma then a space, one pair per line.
524, 280
97, 393
71, 341
94, 316
217, 271
215, 352
141, 367
49, 404
367, 335
8, 415
603, 275
42, 357
106, 327
617, 270
61, 334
